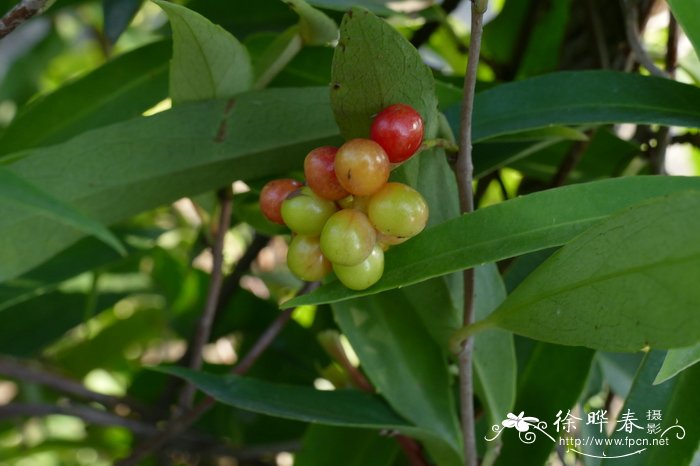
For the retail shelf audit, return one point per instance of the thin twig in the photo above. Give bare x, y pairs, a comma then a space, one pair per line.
568, 165
21, 370
179, 424
663, 135
672, 45
191, 441
465, 173
634, 40
598, 34
687, 138
232, 281
229, 288
20, 13
207, 318
89, 415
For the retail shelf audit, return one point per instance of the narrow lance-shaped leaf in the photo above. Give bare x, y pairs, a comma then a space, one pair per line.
551, 380
626, 284
120, 89
208, 62
676, 403
146, 162
323, 445
581, 97
494, 352
405, 365
518, 226
18, 194
686, 12
676, 361
345, 408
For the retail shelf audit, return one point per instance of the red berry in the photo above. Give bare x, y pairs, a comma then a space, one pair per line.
272, 195
399, 130
319, 170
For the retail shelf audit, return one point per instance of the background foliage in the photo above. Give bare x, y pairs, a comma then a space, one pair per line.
120, 120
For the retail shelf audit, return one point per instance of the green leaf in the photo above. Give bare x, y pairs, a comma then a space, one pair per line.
150, 161
686, 12
31, 326
121, 89
551, 380
677, 360
494, 352
336, 407
677, 399
315, 27
368, 59
324, 445
557, 133
343, 408
542, 52
378, 7
208, 62
247, 18
634, 271
405, 364
87, 254
518, 226
18, 194
581, 97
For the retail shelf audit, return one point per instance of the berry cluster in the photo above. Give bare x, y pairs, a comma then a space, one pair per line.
348, 213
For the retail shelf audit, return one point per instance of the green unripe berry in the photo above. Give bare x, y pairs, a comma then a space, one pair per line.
305, 213
305, 260
398, 210
348, 237
363, 275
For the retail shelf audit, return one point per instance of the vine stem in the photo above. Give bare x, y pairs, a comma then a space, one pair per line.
465, 173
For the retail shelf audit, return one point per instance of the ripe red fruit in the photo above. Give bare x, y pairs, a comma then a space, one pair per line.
272, 196
319, 171
399, 130
362, 167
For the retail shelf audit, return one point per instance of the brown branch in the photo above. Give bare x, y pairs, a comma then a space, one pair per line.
20, 13
568, 165
232, 282
634, 40
671, 61
191, 442
179, 424
598, 34
465, 174
663, 135
21, 370
90, 415
207, 318
687, 138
